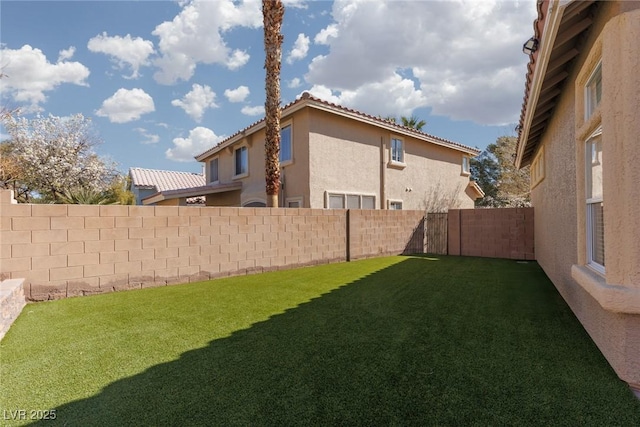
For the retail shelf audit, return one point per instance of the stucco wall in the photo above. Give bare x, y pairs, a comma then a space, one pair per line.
559, 200
335, 154
344, 157
348, 156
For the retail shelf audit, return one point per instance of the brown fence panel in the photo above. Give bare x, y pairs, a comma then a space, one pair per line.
436, 233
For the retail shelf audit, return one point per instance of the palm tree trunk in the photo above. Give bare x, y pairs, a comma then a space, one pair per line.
272, 14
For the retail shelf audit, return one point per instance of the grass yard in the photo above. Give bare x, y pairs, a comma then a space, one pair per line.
386, 341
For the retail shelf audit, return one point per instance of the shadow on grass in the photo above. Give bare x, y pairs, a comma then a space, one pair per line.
430, 340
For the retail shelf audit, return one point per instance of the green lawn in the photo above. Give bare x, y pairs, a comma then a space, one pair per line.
387, 341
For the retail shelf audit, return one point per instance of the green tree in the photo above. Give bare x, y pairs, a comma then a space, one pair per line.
495, 172
272, 14
413, 122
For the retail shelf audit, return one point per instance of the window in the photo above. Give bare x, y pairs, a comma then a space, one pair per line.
242, 161
397, 150
536, 172
395, 206
213, 170
336, 201
593, 91
286, 145
595, 202
465, 165
350, 201
368, 202
294, 202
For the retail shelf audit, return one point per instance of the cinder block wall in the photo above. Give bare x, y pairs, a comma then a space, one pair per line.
385, 232
71, 250
495, 233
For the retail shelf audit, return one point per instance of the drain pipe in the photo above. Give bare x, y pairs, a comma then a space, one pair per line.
383, 170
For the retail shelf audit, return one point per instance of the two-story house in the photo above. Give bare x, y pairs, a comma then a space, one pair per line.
336, 157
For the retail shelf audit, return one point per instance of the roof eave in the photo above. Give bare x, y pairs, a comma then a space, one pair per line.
309, 101
565, 22
551, 26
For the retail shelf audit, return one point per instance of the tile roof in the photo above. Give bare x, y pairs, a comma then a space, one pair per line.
309, 100
562, 46
165, 180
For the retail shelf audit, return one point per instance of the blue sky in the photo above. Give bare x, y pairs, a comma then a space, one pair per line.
164, 80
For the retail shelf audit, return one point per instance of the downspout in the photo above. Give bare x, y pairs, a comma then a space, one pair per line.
383, 200
282, 202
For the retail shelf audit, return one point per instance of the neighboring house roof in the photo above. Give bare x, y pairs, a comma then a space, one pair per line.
191, 192
165, 180
307, 100
558, 28
475, 187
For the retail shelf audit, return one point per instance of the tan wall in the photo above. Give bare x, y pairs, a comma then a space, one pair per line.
383, 232
599, 302
492, 233
71, 250
294, 175
344, 157
352, 157
336, 154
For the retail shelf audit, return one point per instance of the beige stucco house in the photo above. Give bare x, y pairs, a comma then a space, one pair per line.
335, 157
580, 132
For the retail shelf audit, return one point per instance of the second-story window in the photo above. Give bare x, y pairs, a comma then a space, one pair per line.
397, 150
466, 165
213, 170
242, 161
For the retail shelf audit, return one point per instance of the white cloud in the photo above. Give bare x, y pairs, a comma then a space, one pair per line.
294, 83
325, 34
126, 105
463, 56
124, 51
149, 138
30, 75
252, 111
394, 96
195, 36
297, 4
196, 101
238, 94
237, 59
65, 54
300, 49
200, 139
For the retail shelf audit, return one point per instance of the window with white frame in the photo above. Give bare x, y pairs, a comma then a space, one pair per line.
395, 205
466, 165
350, 201
594, 202
294, 202
286, 144
241, 157
593, 91
397, 150
336, 201
213, 170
